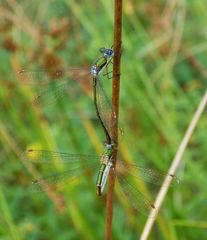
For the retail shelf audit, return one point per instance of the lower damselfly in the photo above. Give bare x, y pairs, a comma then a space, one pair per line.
77, 166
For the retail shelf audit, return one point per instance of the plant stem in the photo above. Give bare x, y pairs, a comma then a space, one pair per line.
115, 111
175, 163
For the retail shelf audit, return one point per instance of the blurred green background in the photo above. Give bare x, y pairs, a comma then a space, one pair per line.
163, 78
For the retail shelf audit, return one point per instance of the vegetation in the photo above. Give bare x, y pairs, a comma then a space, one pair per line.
163, 79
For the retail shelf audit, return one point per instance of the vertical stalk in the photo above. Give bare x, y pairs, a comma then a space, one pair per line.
174, 165
115, 111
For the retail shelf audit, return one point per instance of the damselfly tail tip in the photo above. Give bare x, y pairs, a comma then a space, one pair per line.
98, 190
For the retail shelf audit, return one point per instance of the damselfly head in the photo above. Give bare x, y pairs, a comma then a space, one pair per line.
107, 52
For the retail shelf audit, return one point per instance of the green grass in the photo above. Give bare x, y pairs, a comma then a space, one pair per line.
160, 91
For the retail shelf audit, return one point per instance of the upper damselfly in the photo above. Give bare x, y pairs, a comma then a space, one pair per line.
53, 85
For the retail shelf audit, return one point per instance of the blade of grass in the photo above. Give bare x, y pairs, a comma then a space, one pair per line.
175, 163
190, 223
13, 232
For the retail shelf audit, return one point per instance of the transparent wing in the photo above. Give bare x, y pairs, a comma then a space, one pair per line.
52, 157
147, 175
75, 166
53, 85
137, 201
127, 173
57, 180
104, 107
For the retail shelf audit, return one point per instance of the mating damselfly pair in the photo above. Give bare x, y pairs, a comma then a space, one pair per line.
55, 84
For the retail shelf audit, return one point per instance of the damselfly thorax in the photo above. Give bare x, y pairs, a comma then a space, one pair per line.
102, 62
106, 164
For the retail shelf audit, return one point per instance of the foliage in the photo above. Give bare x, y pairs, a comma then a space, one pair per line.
162, 81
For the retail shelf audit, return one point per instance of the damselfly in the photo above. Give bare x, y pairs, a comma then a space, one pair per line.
78, 166
53, 85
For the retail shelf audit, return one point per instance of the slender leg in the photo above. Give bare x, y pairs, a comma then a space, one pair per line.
107, 72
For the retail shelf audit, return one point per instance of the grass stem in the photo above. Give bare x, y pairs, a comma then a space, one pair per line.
175, 163
115, 111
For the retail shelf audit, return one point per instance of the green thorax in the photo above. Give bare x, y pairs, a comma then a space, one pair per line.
107, 152
103, 171
100, 63
106, 156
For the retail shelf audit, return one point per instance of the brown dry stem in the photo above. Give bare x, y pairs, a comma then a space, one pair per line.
175, 163
115, 111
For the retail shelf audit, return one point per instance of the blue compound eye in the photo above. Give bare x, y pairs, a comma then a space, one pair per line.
110, 52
